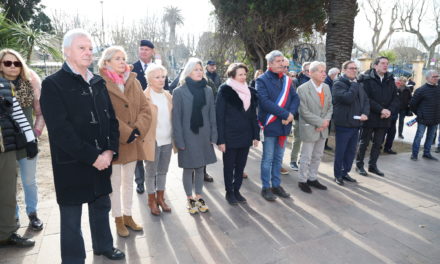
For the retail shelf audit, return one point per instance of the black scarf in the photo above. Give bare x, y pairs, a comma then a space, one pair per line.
199, 100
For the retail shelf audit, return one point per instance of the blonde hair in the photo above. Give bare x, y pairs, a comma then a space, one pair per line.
108, 54
189, 67
154, 68
25, 73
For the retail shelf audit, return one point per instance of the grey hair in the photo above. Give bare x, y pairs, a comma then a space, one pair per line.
108, 54
189, 67
315, 65
333, 71
429, 73
153, 67
270, 57
73, 34
303, 67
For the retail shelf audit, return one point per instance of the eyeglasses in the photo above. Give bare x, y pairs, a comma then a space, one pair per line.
435, 76
352, 68
9, 63
286, 67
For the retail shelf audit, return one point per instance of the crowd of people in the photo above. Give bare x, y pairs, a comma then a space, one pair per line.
123, 125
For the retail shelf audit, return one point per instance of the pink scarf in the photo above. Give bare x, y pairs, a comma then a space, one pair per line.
118, 79
242, 90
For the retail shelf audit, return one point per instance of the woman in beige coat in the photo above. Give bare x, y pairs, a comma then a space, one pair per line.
158, 142
134, 117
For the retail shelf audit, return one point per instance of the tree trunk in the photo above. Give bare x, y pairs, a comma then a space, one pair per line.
340, 27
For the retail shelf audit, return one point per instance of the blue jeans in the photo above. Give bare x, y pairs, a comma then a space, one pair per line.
271, 162
72, 242
28, 169
345, 150
428, 140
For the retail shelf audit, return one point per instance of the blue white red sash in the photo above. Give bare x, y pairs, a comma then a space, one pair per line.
281, 100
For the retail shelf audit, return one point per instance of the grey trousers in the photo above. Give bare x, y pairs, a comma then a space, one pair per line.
296, 144
156, 171
188, 180
8, 192
311, 153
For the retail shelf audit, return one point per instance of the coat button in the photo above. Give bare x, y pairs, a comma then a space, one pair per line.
126, 105
128, 122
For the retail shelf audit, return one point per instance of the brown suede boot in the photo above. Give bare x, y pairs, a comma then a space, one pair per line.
153, 204
161, 201
120, 227
129, 222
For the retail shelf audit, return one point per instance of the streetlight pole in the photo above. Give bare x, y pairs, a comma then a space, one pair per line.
102, 22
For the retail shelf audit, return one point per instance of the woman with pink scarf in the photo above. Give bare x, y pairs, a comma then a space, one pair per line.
134, 117
237, 128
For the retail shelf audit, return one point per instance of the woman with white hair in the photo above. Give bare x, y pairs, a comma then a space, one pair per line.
134, 117
158, 142
194, 130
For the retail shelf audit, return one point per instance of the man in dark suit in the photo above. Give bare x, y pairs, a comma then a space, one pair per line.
146, 55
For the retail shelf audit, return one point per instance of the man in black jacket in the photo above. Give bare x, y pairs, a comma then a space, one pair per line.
381, 90
350, 109
426, 105
83, 136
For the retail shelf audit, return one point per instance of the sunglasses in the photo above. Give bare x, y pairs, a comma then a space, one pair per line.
9, 63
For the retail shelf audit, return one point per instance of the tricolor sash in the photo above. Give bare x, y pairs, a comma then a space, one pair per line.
281, 100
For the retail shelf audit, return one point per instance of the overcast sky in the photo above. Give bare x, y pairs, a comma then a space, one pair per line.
195, 12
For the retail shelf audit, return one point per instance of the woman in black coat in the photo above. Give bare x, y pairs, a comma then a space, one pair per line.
237, 127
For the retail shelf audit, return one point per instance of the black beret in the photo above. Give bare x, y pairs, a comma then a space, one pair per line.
211, 62
147, 43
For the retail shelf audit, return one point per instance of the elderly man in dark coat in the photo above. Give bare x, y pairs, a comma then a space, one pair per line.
83, 136
426, 105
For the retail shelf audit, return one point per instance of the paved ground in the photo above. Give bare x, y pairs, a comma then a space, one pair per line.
395, 219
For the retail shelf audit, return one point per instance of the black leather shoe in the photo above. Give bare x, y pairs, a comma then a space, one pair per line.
328, 148
16, 240
430, 157
140, 188
113, 254
35, 222
280, 192
208, 178
376, 171
348, 178
339, 181
437, 150
316, 184
230, 197
361, 171
401, 136
268, 194
389, 151
414, 158
239, 197
304, 187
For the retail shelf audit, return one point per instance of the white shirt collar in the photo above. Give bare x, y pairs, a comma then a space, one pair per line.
317, 88
88, 73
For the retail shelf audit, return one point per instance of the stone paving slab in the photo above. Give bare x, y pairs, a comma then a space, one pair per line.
395, 219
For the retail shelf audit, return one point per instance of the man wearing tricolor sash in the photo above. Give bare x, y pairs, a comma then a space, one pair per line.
278, 102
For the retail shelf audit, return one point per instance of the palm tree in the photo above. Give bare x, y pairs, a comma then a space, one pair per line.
173, 17
24, 39
340, 27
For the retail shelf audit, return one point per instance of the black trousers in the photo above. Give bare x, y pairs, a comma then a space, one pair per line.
402, 115
72, 242
390, 135
139, 173
366, 134
234, 161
